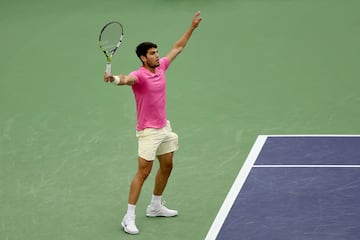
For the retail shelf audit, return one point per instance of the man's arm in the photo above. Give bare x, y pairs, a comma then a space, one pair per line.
180, 44
119, 79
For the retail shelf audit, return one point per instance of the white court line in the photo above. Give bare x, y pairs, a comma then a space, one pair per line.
306, 166
236, 187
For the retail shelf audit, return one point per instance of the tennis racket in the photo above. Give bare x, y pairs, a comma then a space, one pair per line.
111, 36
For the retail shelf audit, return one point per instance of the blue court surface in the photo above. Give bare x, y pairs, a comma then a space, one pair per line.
294, 187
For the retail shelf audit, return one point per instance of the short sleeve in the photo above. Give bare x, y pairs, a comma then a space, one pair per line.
136, 74
164, 63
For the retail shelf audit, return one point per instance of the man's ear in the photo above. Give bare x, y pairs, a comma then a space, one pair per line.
143, 58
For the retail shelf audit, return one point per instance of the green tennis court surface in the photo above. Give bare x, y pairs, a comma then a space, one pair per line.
67, 140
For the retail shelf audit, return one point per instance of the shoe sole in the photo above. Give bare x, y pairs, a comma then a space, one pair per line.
154, 215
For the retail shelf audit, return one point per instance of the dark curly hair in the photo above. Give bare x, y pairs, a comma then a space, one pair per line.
143, 47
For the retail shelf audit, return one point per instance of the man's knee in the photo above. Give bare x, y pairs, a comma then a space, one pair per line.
166, 161
144, 168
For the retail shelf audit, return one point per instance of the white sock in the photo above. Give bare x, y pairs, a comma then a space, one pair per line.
156, 201
131, 209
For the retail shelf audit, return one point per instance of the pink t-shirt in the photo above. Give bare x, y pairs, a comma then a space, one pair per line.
150, 95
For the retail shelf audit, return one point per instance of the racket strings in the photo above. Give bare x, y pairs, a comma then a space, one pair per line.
110, 37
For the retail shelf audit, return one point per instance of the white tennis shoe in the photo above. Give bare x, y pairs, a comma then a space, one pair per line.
160, 211
128, 224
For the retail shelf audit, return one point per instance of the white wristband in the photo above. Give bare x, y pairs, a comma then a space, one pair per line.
116, 80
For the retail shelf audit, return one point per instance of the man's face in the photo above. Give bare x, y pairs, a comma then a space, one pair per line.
152, 58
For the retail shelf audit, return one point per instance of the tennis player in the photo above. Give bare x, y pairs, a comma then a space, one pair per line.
153, 130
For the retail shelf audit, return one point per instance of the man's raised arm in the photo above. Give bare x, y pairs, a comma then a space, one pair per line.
181, 42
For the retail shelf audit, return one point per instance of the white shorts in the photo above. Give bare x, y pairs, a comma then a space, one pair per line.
153, 142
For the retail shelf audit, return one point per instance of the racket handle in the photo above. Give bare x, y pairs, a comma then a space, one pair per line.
108, 68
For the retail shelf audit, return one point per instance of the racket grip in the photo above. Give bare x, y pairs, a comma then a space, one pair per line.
108, 68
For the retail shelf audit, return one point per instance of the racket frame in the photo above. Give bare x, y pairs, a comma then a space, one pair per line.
110, 54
